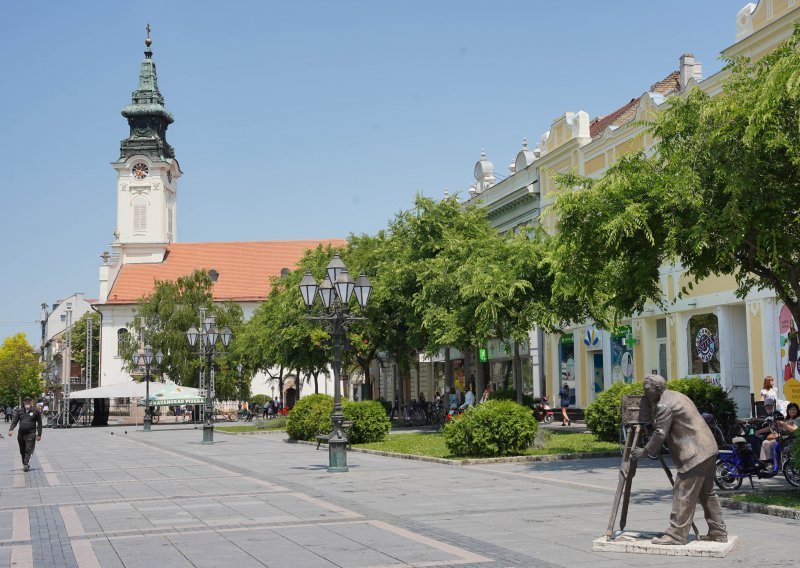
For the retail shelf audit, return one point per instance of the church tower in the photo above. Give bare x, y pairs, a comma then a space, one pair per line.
147, 172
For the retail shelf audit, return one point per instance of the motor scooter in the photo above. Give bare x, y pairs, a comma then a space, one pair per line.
542, 411
737, 460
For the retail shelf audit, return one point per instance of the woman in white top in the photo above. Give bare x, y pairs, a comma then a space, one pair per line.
769, 391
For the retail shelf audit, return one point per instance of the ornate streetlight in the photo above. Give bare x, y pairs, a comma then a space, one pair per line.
335, 292
208, 334
239, 369
143, 359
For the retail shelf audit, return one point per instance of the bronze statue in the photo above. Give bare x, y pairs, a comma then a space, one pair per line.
694, 451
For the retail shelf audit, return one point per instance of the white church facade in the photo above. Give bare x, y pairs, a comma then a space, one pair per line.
146, 249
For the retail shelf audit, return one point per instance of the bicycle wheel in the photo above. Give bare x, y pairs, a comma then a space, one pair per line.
725, 476
790, 471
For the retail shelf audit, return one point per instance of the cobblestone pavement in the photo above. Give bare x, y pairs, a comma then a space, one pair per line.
101, 497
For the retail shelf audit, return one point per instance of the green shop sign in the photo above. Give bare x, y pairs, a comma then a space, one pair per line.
567, 339
483, 356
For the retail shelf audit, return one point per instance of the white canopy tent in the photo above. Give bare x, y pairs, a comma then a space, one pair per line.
128, 389
161, 394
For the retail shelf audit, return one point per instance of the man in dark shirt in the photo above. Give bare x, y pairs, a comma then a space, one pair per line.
30, 430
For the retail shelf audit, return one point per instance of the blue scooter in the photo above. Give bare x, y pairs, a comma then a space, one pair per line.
737, 461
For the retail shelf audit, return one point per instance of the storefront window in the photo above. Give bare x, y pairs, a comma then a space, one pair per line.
458, 374
621, 356
527, 376
502, 373
567, 364
704, 345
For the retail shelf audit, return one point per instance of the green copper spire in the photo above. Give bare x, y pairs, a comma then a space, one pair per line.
147, 117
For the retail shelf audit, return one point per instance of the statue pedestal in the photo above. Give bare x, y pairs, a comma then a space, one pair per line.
638, 542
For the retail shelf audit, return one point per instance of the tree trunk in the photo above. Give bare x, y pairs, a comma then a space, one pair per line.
448, 371
316, 382
517, 363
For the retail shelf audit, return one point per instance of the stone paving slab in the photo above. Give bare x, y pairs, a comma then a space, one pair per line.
164, 499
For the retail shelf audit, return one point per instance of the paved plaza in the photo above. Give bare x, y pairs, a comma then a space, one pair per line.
101, 497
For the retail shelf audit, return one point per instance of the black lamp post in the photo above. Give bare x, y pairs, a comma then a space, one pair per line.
335, 291
208, 334
143, 359
239, 368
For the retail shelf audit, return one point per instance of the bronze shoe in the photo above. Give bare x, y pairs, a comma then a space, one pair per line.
668, 540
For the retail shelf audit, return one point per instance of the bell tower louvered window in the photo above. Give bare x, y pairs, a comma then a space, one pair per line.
140, 215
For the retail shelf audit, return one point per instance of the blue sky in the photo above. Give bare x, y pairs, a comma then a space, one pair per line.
298, 119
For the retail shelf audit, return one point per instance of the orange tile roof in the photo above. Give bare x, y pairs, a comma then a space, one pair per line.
626, 113
244, 268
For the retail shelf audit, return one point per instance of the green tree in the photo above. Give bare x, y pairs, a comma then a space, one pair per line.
279, 335
79, 329
166, 315
719, 193
20, 370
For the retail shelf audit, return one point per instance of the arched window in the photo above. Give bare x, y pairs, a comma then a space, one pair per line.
122, 337
704, 344
140, 215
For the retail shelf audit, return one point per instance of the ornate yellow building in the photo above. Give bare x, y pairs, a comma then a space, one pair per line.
708, 332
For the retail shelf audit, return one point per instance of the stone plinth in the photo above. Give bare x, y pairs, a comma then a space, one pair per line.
638, 542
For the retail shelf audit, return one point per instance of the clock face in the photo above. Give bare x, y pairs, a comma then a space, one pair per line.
139, 171
169, 176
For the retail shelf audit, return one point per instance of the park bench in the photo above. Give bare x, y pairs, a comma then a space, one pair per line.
347, 427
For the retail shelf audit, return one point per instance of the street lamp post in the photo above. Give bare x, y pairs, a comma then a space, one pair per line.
239, 368
335, 292
143, 359
208, 334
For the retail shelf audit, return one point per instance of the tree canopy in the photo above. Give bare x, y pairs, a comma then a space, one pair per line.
166, 315
20, 370
79, 330
718, 193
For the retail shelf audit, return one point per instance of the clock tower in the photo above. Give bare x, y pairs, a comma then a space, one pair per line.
147, 171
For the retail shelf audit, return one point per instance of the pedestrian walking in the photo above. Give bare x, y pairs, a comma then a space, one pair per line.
565, 396
30, 430
9, 412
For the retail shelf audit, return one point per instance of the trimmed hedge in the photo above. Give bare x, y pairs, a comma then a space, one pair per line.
370, 421
310, 416
603, 416
511, 394
604, 419
495, 428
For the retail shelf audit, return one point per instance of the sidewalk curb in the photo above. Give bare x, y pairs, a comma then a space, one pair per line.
748, 507
249, 432
472, 461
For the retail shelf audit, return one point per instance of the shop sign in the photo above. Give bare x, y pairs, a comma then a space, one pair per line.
791, 389
483, 356
706, 345
592, 339
567, 339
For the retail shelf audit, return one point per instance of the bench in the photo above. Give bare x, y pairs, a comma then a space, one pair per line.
347, 427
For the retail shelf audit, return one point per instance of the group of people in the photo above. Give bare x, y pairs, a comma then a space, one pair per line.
270, 410
766, 436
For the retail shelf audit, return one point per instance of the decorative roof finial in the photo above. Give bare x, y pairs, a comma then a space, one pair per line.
524, 143
148, 42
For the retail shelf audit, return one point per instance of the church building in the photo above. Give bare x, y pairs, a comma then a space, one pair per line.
146, 247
